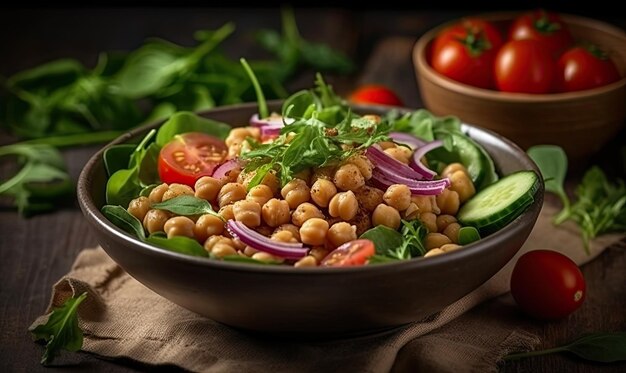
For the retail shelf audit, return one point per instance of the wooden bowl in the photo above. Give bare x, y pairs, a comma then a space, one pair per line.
580, 122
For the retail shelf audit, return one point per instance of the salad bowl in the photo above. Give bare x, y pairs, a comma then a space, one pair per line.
317, 302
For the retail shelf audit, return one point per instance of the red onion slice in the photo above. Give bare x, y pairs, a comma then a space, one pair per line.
382, 159
407, 139
262, 243
416, 164
225, 168
384, 180
270, 131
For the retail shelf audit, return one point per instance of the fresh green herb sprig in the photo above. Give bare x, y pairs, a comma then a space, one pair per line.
61, 331
392, 245
600, 205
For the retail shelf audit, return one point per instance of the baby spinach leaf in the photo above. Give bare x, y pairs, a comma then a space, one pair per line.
124, 220
385, 239
122, 187
468, 235
145, 192
61, 331
117, 156
148, 169
179, 244
182, 122
186, 205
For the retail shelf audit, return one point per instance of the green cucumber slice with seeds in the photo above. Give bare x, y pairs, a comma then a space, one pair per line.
500, 203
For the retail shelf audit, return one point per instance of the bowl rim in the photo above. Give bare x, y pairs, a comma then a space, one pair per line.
100, 222
427, 71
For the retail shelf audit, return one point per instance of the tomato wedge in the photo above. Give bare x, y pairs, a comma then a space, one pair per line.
353, 253
189, 156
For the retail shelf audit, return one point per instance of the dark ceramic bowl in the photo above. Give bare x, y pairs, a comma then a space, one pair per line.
311, 301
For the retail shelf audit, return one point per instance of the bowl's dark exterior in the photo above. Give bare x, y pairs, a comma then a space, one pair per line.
313, 301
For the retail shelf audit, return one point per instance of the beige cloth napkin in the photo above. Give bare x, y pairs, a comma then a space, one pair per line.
122, 318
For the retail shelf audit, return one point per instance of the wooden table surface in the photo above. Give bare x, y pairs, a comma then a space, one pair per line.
36, 252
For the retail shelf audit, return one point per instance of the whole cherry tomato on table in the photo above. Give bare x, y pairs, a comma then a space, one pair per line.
585, 67
375, 94
524, 66
189, 156
544, 27
547, 284
466, 52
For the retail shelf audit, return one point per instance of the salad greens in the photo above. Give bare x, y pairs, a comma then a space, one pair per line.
61, 331
393, 245
600, 205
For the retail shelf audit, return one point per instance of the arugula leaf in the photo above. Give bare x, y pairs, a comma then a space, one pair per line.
61, 331
597, 347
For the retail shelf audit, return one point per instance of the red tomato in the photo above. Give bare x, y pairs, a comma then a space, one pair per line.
375, 94
545, 27
466, 52
470, 26
583, 68
353, 253
190, 156
547, 285
524, 66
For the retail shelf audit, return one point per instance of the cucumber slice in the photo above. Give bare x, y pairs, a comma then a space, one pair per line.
498, 204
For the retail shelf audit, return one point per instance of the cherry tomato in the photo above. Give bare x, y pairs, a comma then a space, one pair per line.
524, 66
470, 26
190, 156
584, 68
466, 52
547, 285
545, 27
353, 253
375, 94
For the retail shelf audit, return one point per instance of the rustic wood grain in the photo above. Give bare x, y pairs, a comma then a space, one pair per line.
36, 252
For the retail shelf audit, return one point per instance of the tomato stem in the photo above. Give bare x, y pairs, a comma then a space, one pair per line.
476, 42
544, 25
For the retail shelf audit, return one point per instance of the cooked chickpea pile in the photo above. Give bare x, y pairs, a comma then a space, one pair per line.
323, 208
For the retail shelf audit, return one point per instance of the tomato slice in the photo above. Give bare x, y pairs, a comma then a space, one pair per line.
190, 156
353, 253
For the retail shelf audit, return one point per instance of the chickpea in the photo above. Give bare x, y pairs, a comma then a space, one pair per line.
325, 173
176, 190
231, 176
247, 212
270, 180
275, 212
295, 231
452, 167
319, 253
266, 257
322, 191
238, 245
307, 261
434, 252
400, 153
260, 194
219, 246
434, 240
348, 177
238, 135
139, 207
179, 226
398, 196
362, 221
372, 117
156, 194
207, 188
305, 212
340, 233
231, 193
283, 236
369, 197
208, 225
450, 247
249, 251
155, 220
426, 204
452, 231
363, 164
313, 231
265, 230
462, 184
412, 212
448, 202
295, 192
443, 221
227, 213
429, 220
387, 216
343, 205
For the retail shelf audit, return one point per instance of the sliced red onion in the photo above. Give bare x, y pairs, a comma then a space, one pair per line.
259, 242
226, 167
271, 130
416, 164
384, 180
407, 139
381, 159
273, 120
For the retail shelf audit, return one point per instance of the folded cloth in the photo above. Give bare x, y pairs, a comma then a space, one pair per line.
123, 318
